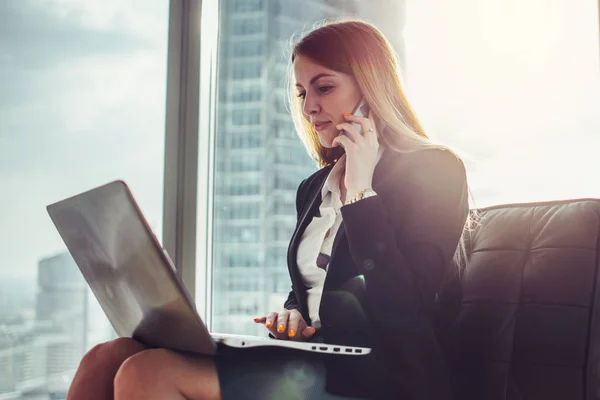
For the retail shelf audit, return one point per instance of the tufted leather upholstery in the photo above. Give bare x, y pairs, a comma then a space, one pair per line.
524, 322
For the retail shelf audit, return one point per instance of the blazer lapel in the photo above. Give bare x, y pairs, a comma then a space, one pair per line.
313, 196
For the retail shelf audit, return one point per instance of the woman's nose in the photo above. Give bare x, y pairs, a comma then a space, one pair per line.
311, 106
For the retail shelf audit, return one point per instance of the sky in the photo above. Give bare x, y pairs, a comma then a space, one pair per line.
513, 85
82, 100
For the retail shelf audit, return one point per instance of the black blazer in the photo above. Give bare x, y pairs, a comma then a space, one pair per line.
387, 264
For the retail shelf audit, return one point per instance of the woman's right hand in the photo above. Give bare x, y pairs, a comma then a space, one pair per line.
287, 324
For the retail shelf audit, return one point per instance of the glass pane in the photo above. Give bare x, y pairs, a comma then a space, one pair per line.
515, 85
519, 105
81, 103
258, 159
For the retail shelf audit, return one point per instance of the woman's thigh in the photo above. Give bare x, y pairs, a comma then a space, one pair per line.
271, 373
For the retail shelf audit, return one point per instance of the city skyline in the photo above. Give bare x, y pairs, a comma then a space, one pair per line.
45, 346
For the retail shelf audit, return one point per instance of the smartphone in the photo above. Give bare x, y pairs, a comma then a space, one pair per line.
362, 110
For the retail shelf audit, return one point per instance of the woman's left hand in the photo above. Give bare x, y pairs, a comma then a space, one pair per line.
361, 152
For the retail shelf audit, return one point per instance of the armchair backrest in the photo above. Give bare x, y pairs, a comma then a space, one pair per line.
528, 323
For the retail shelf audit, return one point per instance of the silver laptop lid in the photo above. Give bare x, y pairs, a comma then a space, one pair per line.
128, 270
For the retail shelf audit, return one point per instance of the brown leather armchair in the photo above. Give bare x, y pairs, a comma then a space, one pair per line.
521, 320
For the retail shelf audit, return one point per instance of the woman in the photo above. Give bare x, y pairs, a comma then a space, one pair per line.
378, 225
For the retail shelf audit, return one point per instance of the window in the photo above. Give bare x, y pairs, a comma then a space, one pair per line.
248, 49
246, 139
251, 113
248, 26
246, 163
247, 5
283, 128
235, 187
285, 156
247, 94
247, 70
240, 234
283, 30
285, 208
284, 181
243, 259
82, 103
521, 103
246, 117
242, 210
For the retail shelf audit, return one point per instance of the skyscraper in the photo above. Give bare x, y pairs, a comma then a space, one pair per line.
259, 159
61, 315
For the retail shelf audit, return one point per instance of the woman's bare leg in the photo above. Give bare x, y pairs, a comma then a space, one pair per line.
96, 373
163, 374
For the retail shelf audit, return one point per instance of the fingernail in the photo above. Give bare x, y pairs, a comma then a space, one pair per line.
347, 114
292, 333
280, 328
312, 330
256, 319
268, 324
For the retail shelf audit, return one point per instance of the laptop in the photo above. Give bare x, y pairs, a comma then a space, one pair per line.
135, 281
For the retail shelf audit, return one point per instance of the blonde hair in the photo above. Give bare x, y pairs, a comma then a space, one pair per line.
359, 49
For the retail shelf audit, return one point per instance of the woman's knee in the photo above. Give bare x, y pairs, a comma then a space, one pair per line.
161, 371
112, 353
142, 368
99, 366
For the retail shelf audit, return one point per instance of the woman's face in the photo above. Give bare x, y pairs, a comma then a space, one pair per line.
327, 95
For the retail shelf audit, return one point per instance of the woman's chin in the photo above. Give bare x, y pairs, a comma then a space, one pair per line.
328, 145
327, 140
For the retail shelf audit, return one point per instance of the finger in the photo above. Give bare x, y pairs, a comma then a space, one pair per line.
260, 320
365, 123
295, 322
308, 332
354, 118
350, 130
272, 323
271, 319
342, 141
282, 322
304, 331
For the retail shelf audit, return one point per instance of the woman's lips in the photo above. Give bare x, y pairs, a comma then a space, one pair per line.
321, 125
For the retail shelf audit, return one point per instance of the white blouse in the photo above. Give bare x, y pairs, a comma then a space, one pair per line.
314, 250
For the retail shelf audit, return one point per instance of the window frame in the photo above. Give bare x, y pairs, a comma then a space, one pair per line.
182, 140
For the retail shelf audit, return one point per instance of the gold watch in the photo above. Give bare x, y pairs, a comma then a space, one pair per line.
363, 194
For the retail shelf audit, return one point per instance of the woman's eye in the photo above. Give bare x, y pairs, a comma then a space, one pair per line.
325, 89
301, 95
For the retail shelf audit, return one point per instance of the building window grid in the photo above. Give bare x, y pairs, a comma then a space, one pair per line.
247, 94
251, 186
237, 259
246, 140
247, 70
249, 116
246, 5
246, 26
247, 48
